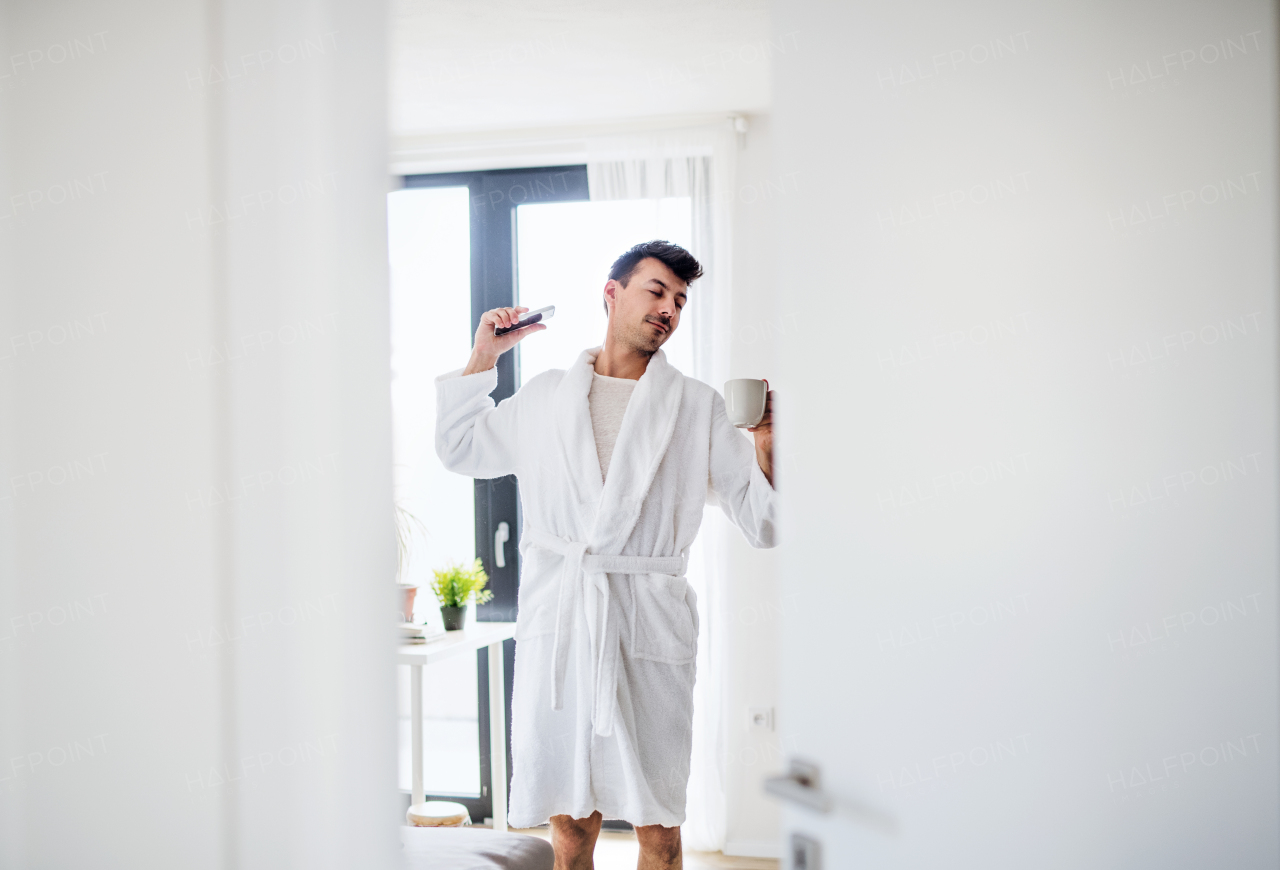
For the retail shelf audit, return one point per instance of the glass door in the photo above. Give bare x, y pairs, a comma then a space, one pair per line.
430, 262
437, 294
461, 244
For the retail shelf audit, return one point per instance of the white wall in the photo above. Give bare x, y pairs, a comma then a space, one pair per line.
1032, 466
510, 64
195, 530
753, 603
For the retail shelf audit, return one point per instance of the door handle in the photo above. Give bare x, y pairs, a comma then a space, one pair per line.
801, 785
500, 537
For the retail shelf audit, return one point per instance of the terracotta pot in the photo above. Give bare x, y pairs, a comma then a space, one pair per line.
407, 594
454, 617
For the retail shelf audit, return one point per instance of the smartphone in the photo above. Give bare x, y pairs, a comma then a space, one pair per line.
530, 318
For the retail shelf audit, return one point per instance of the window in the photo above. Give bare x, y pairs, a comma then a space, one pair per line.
461, 244
452, 247
430, 262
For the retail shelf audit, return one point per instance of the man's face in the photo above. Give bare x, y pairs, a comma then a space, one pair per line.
646, 312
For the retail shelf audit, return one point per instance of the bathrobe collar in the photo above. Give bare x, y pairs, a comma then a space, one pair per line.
609, 510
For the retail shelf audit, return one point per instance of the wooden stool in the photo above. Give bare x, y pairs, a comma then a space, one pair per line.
438, 814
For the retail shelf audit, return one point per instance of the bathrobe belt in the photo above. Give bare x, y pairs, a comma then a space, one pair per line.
588, 571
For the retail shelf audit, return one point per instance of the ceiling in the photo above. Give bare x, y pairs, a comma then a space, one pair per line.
485, 65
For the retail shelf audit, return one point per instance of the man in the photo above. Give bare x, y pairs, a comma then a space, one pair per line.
615, 458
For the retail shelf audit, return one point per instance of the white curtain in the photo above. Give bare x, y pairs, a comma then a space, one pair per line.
697, 163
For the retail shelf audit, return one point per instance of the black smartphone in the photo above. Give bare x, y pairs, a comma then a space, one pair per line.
530, 318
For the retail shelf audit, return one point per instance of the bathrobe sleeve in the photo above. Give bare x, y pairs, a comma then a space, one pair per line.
736, 482
473, 436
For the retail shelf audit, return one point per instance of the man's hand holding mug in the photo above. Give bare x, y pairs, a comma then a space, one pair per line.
749, 405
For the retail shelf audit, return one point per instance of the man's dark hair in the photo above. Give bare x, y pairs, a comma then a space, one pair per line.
676, 258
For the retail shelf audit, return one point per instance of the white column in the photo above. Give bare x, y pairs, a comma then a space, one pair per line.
195, 519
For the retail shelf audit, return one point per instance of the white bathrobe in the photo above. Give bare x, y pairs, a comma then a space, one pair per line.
602, 716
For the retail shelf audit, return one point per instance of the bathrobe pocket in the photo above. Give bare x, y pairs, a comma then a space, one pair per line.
664, 619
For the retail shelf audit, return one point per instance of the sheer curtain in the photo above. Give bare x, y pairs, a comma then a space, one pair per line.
697, 163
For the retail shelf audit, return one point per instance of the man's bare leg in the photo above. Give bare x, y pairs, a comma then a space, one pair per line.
659, 848
575, 841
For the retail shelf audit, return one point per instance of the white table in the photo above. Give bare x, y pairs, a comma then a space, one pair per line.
456, 643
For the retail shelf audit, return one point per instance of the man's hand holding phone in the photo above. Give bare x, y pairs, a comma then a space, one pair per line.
488, 347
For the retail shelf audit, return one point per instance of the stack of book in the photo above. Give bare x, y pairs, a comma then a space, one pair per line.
413, 633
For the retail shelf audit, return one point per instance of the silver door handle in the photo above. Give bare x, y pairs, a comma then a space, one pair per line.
801, 785
500, 537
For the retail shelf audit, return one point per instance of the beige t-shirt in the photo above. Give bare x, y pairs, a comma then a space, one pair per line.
608, 403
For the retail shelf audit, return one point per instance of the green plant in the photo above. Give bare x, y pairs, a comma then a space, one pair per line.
457, 584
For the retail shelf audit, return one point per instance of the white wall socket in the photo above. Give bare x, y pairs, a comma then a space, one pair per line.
760, 718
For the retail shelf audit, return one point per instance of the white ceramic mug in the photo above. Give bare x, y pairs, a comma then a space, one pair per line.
744, 401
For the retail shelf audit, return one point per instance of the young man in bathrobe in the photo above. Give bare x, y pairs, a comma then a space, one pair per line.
615, 459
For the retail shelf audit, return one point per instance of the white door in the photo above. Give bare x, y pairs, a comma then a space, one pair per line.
1029, 459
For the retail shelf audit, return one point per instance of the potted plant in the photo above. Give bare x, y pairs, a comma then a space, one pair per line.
455, 586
